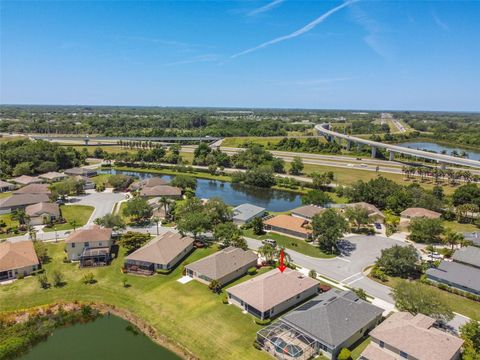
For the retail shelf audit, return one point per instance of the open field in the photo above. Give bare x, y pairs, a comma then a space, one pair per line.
189, 314
298, 245
78, 213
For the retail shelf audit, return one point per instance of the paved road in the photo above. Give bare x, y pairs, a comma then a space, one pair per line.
359, 252
102, 202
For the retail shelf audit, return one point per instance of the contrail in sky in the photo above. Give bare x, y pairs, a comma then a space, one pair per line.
299, 32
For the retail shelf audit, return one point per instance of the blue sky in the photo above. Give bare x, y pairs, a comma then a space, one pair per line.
406, 55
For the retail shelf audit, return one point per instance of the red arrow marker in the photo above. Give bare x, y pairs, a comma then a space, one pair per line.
282, 266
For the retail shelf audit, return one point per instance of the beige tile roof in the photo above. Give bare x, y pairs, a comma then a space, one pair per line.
43, 208
23, 200
372, 209
150, 182
52, 175
420, 212
308, 211
15, 255
161, 190
373, 352
272, 288
289, 223
415, 336
4, 184
162, 249
94, 233
25, 180
223, 262
34, 189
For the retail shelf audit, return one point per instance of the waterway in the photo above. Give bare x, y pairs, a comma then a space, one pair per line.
429, 146
102, 339
233, 194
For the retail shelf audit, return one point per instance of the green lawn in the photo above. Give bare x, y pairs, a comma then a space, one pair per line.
101, 179
359, 347
189, 314
298, 245
7, 218
5, 194
196, 174
456, 226
79, 213
457, 303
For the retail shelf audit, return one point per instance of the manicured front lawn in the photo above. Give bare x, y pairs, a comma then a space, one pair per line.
189, 314
457, 303
79, 213
359, 347
297, 245
10, 223
456, 226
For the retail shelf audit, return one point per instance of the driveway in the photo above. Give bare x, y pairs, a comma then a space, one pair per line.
102, 202
358, 252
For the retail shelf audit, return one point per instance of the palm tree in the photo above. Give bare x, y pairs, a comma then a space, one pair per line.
268, 252
74, 224
165, 203
20, 216
453, 238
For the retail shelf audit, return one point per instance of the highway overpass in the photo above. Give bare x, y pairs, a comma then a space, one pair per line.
324, 129
115, 139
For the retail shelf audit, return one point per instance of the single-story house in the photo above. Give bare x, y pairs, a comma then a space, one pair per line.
80, 171
26, 180
34, 189
53, 176
473, 237
91, 246
150, 182
411, 213
323, 325
288, 225
20, 201
88, 184
468, 255
162, 252
223, 266
17, 259
406, 336
41, 212
166, 191
456, 275
246, 212
307, 212
270, 294
374, 214
6, 186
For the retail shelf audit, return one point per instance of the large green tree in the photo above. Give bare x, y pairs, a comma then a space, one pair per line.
426, 231
328, 228
402, 261
138, 208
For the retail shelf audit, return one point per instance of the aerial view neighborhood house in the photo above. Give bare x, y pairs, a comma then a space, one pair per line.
163, 252
307, 212
42, 213
17, 259
289, 225
223, 266
90, 246
244, 213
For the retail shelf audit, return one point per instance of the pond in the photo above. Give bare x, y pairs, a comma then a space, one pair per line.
429, 146
105, 338
233, 194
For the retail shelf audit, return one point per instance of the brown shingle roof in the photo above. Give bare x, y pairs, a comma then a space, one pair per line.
34, 189
23, 200
415, 336
25, 180
161, 190
94, 233
224, 262
272, 288
16, 255
420, 212
289, 223
162, 249
308, 211
43, 208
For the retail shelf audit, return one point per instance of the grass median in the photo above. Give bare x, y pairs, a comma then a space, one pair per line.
78, 213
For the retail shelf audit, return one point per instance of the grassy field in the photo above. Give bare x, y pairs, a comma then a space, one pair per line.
297, 245
7, 218
79, 213
457, 303
189, 314
346, 176
5, 194
455, 226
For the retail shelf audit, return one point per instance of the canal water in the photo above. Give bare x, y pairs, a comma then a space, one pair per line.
103, 339
474, 155
233, 194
